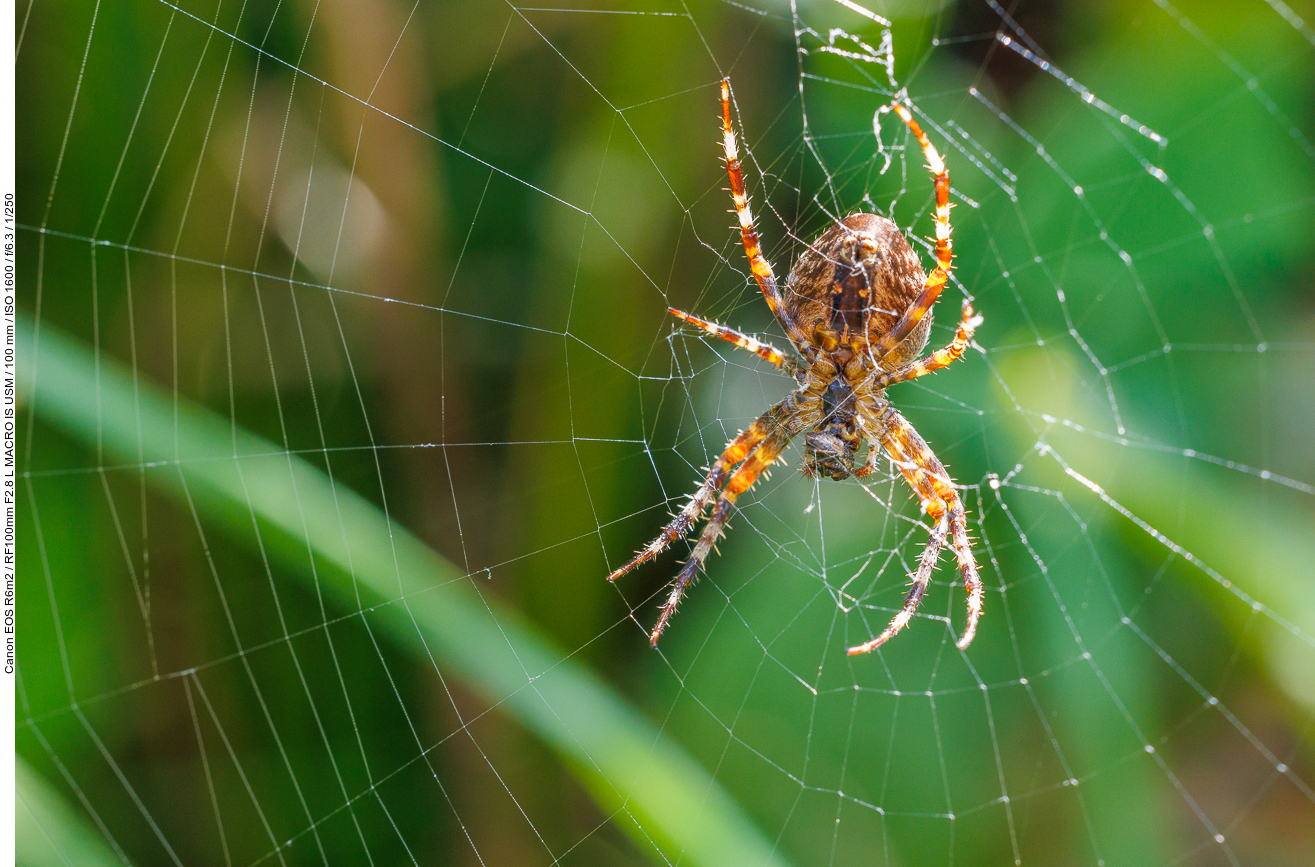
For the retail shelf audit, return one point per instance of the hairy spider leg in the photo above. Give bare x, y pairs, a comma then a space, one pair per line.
937, 279
758, 264
906, 444
744, 341
743, 479
736, 450
972, 581
873, 423
921, 579
932, 485
942, 357
792, 413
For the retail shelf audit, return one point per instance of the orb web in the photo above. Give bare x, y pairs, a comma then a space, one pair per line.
426, 254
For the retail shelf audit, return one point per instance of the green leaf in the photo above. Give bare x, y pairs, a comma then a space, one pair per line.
49, 832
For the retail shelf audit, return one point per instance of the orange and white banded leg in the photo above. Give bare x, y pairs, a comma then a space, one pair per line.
758, 264
921, 578
743, 479
937, 279
903, 436
935, 490
931, 502
764, 351
942, 357
972, 581
736, 450
907, 445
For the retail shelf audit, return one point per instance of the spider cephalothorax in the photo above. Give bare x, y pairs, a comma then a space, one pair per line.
830, 450
857, 306
846, 291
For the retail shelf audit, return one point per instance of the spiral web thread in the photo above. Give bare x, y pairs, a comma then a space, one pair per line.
1070, 428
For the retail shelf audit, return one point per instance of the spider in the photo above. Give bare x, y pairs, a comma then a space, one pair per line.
857, 307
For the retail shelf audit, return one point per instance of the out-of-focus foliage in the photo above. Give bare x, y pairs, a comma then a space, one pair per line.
530, 190
359, 559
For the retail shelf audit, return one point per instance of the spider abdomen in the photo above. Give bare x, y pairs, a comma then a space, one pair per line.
854, 283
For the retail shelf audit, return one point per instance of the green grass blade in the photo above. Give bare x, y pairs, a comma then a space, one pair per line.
49, 832
365, 562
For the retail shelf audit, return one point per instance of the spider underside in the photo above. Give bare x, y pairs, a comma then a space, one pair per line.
857, 307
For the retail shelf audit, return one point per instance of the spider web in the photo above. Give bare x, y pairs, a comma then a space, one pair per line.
429, 250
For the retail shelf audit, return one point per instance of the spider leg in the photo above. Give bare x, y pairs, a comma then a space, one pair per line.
758, 264
937, 279
934, 488
942, 357
744, 341
796, 411
744, 477
972, 581
921, 579
736, 450
902, 439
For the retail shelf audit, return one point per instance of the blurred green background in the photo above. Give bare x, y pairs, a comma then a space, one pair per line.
347, 379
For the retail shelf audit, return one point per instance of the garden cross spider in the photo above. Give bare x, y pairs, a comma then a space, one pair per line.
857, 306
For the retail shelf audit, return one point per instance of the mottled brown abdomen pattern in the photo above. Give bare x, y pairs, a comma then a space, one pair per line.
855, 282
